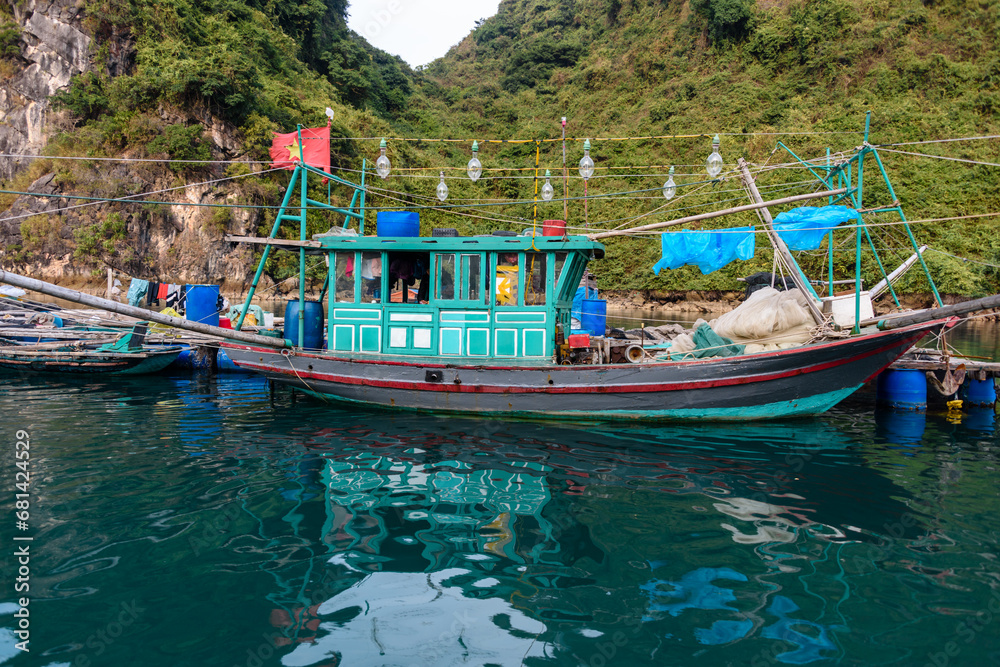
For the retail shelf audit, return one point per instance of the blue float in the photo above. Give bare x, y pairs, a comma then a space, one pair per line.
397, 223
202, 304
313, 339
979, 392
902, 389
594, 316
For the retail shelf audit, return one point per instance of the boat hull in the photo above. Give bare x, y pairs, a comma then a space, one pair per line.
785, 383
90, 362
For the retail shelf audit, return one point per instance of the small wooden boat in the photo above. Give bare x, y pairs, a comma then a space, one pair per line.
125, 356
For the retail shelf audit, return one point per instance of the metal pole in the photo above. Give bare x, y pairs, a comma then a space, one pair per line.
302, 251
131, 311
565, 174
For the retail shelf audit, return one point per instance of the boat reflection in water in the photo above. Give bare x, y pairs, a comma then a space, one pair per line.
464, 542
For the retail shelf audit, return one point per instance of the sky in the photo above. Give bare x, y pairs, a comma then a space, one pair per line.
418, 31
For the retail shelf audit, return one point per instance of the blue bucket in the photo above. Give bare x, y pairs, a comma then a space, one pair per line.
979, 392
594, 316
313, 339
902, 389
202, 304
397, 223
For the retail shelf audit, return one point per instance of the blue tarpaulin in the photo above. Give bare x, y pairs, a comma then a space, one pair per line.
709, 251
804, 228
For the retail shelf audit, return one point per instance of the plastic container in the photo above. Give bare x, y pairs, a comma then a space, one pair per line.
979, 392
554, 228
397, 223
444, 232
579, 340
594, 316
902, 389
225, 323
313, 339
202, 304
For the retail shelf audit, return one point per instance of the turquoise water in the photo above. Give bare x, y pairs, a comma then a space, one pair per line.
190, 520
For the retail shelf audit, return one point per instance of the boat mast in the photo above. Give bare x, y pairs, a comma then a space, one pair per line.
812, 300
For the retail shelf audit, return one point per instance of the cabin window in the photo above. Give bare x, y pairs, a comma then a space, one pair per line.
409, 276
446, 277
371, 277
344, 277
534, 279
508, 270
471, 278
559, 263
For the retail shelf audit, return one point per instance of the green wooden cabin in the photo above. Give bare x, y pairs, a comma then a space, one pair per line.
481, 297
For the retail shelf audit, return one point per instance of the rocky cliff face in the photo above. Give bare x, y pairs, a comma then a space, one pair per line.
54, 49
40, 235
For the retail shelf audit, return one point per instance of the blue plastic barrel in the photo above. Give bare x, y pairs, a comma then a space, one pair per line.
979, 392
902, 389
202, 304
900, 428
313, 324
397, 223
594, 316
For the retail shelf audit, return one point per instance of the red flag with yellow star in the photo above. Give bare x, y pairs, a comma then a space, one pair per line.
315, 149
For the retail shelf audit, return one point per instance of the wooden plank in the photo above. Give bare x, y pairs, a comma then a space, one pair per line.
261, 240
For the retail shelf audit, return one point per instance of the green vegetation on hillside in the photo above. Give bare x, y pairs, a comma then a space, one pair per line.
927, 70
804, 72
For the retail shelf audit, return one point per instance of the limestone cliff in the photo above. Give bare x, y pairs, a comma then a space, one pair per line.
42, 236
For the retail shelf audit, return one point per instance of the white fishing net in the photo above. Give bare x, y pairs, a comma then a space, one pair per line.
768, 317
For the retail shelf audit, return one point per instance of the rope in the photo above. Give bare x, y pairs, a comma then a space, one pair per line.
128, 198
942, 157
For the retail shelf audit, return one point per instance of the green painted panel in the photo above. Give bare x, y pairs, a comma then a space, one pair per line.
356, 314
506, 342
478, 342
451, 341
370, 339
522, 317
534, 342
450, 316
343, 338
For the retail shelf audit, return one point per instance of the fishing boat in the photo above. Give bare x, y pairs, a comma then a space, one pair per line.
470, 348
125, 356
483, 325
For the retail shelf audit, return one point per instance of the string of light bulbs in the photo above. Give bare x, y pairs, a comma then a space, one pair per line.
474, 169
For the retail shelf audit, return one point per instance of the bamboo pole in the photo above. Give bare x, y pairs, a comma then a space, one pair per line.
956, 310
812, 299
716, 214
132, 311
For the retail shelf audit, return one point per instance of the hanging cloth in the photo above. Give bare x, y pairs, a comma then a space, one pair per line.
709, 251
161, 292
151, 293
136, 291
173, 295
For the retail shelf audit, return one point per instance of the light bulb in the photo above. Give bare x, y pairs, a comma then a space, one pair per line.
586, 164
382, 165
547, 190
442, 189
475, 168
713, 165
670, 188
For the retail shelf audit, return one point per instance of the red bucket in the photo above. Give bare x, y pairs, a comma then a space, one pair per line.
554, 228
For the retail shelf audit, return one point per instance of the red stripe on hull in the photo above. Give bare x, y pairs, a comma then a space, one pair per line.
582, 389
